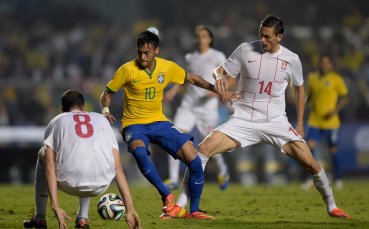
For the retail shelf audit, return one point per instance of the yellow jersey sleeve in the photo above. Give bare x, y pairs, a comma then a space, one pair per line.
341, 87
176, 73
120, 78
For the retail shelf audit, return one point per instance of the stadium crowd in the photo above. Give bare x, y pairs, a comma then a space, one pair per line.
67, 47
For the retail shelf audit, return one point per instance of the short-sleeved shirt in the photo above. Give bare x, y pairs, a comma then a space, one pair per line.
263, 80
203, 65
83, 143
324, 91
143, 91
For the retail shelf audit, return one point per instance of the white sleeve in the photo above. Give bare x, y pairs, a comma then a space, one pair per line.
49, 138
111, 135
297, 76
221, 59
233, 64
114, 139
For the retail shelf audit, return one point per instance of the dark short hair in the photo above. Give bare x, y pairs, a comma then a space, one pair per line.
208, 30
325, 55
72, 98
271, 21
147, 37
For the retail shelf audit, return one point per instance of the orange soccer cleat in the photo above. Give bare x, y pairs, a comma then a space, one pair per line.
200, 215
169, 203
176, 212
339, 213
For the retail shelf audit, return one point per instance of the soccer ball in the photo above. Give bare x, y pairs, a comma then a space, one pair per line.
111, 206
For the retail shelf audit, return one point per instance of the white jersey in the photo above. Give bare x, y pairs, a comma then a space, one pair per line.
263, 81
83, 143
202, 64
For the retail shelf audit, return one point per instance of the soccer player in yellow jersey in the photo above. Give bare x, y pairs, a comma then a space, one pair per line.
327, 95
143, 81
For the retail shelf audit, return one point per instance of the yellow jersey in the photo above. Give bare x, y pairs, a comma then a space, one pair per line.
143, 91
324, 92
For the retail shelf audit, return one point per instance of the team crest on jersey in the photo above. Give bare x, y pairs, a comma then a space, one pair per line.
161, 77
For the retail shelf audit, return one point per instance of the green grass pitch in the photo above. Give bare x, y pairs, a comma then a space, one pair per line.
238, 207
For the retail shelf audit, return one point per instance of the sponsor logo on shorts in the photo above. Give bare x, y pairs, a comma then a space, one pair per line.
128, 136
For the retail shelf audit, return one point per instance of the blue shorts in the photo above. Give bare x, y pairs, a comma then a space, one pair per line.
318, 135
164, 134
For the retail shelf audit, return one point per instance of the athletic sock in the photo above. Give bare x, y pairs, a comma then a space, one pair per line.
149, 171
173, 169
41, 192
336, 161
223, 169
84, 204
322, 184
195, 183
184, 195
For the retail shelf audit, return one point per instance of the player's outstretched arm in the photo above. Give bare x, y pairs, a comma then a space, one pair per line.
52, 186
300, 108
223, 92
169, 96
132, 217
105, 103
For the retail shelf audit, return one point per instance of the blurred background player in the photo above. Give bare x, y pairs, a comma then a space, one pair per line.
327, 96
199, 107
81, 157
143, 81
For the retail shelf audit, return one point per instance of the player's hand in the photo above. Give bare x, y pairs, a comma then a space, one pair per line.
330, 115
132, 220
229, 96
221, 85
300, 129
110, 117
61, 215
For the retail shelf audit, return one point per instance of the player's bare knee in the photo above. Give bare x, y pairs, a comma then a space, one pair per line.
203, 148
135, 144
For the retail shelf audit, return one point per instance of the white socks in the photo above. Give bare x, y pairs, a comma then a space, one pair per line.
175, 164
84, 203
183, 196
223, 169
173, 169
41, 192
322, 184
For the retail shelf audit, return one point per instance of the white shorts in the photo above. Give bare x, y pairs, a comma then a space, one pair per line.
250, 133
82, 191
205, 120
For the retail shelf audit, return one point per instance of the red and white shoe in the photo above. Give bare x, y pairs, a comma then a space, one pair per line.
169, 203
176, 212
200, 215
339, 213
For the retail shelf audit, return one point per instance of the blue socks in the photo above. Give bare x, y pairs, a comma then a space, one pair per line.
149, 171
336, 161
195, 183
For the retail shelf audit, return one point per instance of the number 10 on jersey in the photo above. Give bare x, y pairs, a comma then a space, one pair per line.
150, 93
